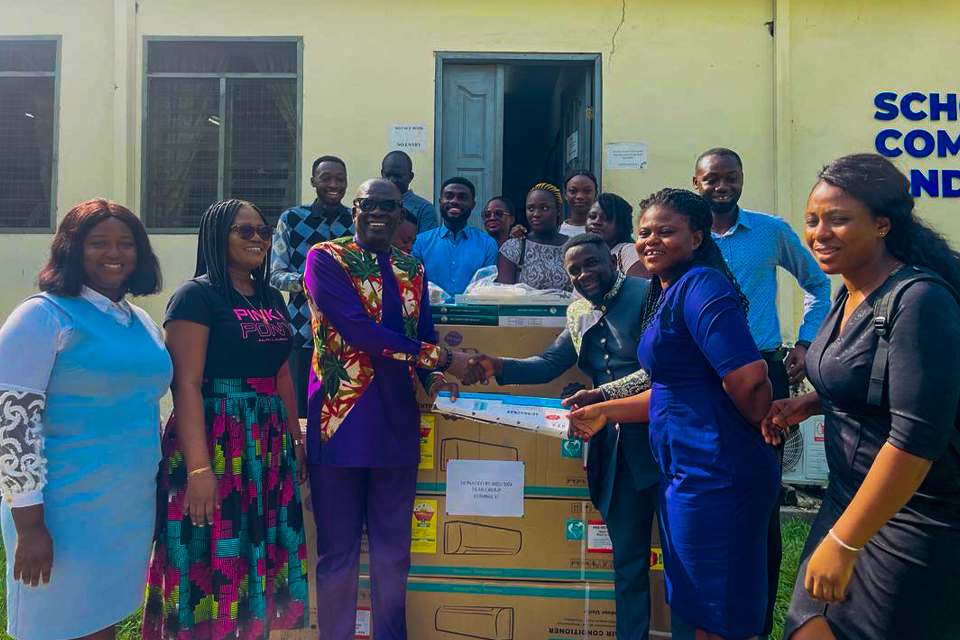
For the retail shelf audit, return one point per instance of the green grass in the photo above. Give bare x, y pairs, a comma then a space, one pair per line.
794, 534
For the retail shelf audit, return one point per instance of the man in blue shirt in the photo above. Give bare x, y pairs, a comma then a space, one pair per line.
452, 253
397, 167
753, 245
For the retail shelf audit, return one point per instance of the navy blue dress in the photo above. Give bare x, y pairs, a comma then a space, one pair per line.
719, 479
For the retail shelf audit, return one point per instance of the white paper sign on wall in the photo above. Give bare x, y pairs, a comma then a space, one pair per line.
408, 137
485, 488
627, 155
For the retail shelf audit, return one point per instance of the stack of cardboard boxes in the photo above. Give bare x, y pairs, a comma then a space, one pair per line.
546, 575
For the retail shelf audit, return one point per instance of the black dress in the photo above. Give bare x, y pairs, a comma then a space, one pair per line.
906, 580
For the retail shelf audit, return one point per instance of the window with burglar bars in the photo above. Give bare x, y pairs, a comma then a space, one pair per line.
221, 120
28, 133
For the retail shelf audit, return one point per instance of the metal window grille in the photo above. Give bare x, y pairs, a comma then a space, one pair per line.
221, 121
28, 114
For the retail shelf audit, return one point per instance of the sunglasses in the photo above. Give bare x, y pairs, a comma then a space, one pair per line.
369, 204
496, 213
247, 231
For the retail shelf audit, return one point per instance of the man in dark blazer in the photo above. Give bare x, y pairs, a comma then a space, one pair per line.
601, 336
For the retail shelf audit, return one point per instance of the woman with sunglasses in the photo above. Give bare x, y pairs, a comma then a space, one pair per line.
230, 556
498, 217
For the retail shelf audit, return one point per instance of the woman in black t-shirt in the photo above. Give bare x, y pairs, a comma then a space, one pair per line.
231, 457
883, 556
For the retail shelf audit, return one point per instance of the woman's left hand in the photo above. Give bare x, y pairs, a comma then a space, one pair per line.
300, 452
829, 571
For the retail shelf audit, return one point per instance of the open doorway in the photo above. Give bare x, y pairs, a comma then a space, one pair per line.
507, 123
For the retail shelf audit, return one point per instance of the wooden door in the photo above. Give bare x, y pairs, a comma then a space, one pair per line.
472, 129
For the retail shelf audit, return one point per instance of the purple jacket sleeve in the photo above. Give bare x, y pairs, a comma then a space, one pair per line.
427, 334
335, 297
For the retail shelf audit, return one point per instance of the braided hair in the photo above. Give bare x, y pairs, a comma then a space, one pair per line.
582, 172
212, 241
621, 213
553, 191
697, 212
877, 183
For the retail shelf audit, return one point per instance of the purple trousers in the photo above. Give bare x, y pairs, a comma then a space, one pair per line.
343, 499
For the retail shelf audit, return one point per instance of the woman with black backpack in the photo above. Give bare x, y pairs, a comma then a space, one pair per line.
883, 556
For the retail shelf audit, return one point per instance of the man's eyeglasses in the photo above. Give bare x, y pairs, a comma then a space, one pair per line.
246, 231
495, 213
369, 204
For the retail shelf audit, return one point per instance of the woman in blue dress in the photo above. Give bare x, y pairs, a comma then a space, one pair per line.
719, 479
82, 372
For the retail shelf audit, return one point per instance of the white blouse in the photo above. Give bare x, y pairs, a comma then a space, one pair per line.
30, 340
570, 230
626, 256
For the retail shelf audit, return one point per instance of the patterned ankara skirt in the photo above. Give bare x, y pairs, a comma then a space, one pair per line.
246, 574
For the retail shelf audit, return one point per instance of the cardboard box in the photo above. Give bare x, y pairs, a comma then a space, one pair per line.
561, 540
510, 342
439, 609
421, 596
553, 467
443, 608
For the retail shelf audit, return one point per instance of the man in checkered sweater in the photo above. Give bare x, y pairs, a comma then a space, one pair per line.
299, 229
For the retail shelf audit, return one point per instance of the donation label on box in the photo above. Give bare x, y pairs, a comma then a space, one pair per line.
485, 488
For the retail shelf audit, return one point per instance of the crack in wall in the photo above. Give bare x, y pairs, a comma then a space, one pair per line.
613, 39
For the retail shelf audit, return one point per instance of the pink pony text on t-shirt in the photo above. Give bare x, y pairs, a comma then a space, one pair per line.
266, 323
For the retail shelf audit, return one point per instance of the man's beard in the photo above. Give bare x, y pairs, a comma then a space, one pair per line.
463, 218
724, 207
600, 294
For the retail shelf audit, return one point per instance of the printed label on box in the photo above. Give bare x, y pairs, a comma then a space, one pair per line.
571, 448
656, 559
598, 538
574, 530
485, 488
424, 527
363, 623
427, 429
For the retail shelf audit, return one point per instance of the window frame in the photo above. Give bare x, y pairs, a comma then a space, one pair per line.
222, 77
55, 156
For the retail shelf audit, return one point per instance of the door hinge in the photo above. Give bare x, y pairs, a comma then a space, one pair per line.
589, 113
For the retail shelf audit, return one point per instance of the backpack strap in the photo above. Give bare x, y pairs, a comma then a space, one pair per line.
883, 309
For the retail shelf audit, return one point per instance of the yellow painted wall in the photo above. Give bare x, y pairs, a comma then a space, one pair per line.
680, 76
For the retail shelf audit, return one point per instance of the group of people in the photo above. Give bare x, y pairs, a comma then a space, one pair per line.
675, 323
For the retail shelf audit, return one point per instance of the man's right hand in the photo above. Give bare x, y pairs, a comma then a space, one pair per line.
33, 556
460, 365
583, 398
485, 367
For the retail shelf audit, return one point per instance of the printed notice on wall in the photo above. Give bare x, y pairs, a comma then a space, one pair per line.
408, 137
485, 488
627, 155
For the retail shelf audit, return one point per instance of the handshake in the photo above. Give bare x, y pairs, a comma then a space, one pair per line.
474, 369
